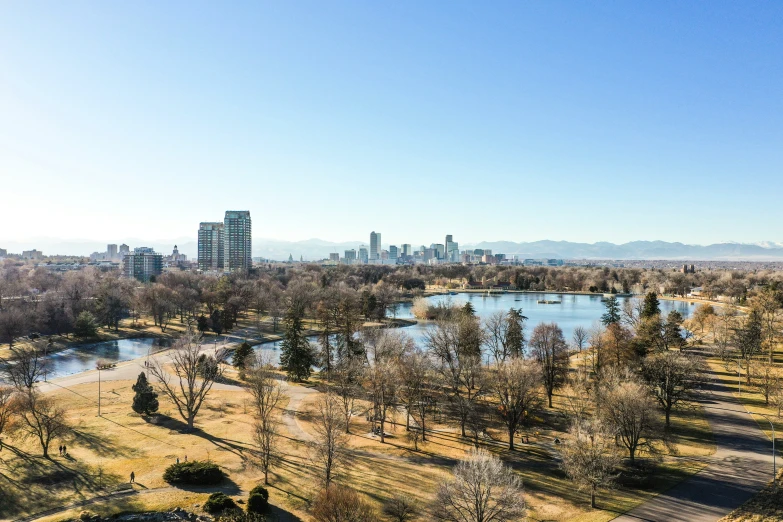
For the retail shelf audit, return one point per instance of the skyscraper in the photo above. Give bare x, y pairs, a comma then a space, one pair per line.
375, 245
393, 252
363, 255
210, 247
111, 250
407, 250
238, 240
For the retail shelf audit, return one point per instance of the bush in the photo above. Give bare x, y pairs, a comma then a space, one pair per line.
258, 501
257, 504
218, 502
341, 503
194, 473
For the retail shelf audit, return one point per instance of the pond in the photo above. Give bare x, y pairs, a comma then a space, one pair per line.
84, 357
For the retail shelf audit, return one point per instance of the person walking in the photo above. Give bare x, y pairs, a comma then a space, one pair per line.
65, 451
133, 477
61, 450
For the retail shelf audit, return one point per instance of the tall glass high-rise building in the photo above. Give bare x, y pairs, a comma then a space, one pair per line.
375, 245
210, 246
238, 243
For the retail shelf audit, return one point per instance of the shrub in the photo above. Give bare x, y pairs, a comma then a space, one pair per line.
218, 502
340, 503
258, 501
194, 472
257, 504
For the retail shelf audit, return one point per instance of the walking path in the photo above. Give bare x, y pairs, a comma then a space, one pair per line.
740, 467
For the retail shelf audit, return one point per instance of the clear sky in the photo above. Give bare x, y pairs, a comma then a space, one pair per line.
579, 121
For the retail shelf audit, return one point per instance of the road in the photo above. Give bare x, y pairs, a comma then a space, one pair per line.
740, 467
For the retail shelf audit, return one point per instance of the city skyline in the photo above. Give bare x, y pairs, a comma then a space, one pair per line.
613, 122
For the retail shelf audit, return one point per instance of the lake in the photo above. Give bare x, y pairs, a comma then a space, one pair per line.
572, 311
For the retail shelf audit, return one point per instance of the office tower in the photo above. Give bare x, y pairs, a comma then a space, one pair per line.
3, 252
407, 250
350, 256
440, 250
111, 250
375, 245
363, 257
393, 252
334, 257
142, 264
124, 249
238, 240
210, 247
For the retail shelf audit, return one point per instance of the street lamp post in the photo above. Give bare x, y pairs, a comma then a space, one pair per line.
98, 366
774, 463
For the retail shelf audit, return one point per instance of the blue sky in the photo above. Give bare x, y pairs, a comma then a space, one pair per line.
580, 121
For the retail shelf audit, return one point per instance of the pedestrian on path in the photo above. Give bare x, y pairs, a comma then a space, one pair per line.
133, 477
61, 450
65, 451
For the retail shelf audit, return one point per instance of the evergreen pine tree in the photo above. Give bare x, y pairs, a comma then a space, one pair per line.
651, 306
468, 309
612, 315
296, 354
239, 359
145, 401
515, 333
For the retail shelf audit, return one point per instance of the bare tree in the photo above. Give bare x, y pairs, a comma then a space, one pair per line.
13, 323
628, 410
267, 395
766, 378
346, 375
329, 443
382, 386
400, 508
342, 504
580, 337
674, 378
8, 408
579, 397
415, 371
481, 490
194, 374
25, 366
460, 370
589, 456
551, 351
42, 418
515, 384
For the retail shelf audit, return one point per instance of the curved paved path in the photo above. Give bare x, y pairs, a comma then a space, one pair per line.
740, 467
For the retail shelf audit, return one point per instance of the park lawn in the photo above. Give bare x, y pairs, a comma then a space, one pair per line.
108, 448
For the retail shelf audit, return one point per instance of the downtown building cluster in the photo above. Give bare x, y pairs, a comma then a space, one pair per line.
226, 246
436, 253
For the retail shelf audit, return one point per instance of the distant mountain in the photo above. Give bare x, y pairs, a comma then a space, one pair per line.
637, 250
315, 249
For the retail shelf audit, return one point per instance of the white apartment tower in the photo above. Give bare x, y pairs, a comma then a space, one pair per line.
375, 245
237, 234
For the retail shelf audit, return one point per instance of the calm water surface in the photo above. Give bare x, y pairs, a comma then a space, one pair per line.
572, 311
84, 357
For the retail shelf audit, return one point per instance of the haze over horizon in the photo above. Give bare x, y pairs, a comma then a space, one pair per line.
581, 122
